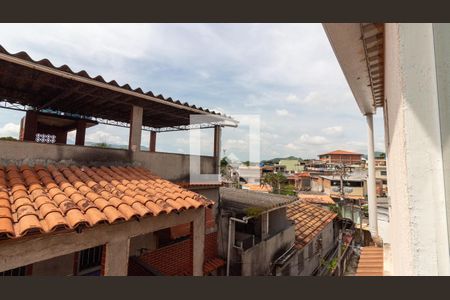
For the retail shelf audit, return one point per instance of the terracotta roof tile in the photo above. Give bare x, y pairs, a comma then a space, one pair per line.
316, 198
309, 221
42, 199
341, 152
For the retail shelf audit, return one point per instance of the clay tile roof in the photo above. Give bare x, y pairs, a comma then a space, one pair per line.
340, 152
309, 221
176, 259
316, 198
46, 199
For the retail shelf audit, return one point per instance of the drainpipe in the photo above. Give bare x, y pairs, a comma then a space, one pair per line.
371, 184
230, 223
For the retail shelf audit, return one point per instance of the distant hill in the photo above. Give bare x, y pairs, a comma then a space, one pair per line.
114, 146
277, 160
378, 154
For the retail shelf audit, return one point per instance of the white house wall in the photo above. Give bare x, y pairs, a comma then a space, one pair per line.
415, 174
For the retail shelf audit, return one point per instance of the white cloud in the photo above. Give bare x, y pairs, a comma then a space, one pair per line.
244, 68
100, 136
313, 140
292, 98
10, 129
282, 112
333, 130
291, 146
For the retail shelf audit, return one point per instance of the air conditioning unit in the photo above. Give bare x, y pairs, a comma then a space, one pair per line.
348, 190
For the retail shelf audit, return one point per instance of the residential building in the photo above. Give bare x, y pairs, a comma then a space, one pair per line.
255, 233
257, 187
301, 181
381, 178
78, 210
315, 238
341, 157
292, 166
403, 70
249, 174
354, 185
321, 199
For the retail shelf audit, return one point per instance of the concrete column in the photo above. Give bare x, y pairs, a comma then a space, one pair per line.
81, 133
116, 258
217, 141
152, 141
135, 128
30, 124
371, 181
198, 238
264, 226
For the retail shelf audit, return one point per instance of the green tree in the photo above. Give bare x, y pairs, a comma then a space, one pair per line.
288, 189
101, 145
275, 180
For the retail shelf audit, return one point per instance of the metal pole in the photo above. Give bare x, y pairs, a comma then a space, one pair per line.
371, 184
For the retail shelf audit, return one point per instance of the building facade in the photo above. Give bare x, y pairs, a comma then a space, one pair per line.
341, 157
403, 70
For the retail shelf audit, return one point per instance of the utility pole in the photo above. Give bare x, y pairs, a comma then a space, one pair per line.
339, 253
342, 171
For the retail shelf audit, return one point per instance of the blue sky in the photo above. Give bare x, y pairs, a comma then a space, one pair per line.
285, 73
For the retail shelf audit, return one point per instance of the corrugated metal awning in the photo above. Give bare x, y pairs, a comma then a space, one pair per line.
43, 86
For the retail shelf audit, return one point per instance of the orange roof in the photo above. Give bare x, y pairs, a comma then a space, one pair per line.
348, 197
257, 187
370, 262
309, 221
176, 259
341, 152
316, 199
44, 199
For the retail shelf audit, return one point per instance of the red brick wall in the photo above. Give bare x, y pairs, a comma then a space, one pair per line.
176, 259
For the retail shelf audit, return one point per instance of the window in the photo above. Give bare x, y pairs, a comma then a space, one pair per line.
319, 243
301, 262
310, 250
383, 173
90, 261
21, 271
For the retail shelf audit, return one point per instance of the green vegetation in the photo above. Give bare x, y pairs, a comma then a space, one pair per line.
336, 209
279, 184
102, 145
277, 160
288, 189
333, 264
7, 138
253, 211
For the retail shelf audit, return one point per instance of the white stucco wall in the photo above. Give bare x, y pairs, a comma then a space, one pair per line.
415, 169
